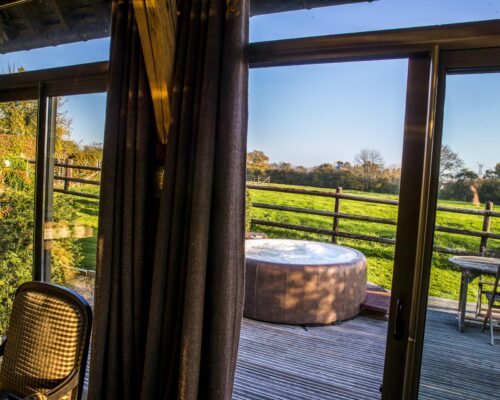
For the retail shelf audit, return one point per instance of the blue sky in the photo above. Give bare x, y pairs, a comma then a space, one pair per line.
309, 115
86, 111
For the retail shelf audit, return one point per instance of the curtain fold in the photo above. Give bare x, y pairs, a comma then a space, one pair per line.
170, 285
127, 219
197, 294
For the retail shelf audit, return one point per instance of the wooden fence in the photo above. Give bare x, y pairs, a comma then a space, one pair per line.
67, 178
337, 215
258, 179
63, 172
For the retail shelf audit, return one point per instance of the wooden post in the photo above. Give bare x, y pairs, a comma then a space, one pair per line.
336, 218
68, 173
486, 227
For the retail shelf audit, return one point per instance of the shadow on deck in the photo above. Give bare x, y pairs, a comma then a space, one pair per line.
345, 361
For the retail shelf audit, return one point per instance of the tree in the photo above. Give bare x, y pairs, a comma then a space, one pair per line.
18, 121
462, 187
257, 161
451, 164
372, 163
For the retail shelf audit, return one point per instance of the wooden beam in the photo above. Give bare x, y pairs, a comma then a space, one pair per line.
62, 81
4, 38
12, 3
259, 7
157, 22
57, 11
374, 45
36, 24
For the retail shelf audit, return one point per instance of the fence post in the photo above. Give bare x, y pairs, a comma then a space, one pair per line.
336, 218
486, 227
68, 173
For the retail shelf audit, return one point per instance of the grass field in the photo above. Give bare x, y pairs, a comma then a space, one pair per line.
445, 280
88, 212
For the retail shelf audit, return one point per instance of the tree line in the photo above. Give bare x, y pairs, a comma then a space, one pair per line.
460, 183
369, 173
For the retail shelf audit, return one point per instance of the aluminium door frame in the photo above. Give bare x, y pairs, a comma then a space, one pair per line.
424, 48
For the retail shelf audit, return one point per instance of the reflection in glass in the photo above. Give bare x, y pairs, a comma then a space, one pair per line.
73, 170
18, 128
469, 189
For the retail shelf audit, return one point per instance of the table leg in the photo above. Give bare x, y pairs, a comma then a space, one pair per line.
462, 301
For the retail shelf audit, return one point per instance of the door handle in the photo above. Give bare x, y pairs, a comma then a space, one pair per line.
398, 328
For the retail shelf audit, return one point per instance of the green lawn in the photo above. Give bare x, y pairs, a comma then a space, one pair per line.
88, 213
445, 279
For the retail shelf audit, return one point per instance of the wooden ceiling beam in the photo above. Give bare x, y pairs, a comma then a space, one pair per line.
57, 11
259, 7
37, 24
4, 37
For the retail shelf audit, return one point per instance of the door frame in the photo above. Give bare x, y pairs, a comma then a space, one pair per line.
424, 48
448, 62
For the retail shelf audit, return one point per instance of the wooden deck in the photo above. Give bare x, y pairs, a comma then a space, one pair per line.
346, 361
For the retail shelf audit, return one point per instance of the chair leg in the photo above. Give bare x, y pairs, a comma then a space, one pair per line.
478, 302
492, 336
486, 317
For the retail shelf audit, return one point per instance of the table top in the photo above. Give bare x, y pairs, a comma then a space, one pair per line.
483, 264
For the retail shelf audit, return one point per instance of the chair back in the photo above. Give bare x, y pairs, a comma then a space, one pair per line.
47, 340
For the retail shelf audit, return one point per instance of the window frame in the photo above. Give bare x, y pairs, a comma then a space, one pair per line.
41, 85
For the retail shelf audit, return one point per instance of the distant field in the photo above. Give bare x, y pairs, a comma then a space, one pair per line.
445, 280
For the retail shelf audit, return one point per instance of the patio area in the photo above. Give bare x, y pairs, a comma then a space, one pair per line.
345, 361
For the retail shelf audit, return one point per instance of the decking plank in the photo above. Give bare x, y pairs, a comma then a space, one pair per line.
345, 361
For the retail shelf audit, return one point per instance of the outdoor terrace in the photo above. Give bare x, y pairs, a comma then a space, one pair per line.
346, 360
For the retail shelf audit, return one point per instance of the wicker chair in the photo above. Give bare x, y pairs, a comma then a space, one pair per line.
45, 353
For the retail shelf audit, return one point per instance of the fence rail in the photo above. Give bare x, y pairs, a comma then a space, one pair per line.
66, 175
336, 216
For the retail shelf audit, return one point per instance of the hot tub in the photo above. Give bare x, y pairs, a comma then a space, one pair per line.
303, 282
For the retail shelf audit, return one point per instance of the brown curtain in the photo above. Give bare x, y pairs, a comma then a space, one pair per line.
183, 311
197, 294
127, 219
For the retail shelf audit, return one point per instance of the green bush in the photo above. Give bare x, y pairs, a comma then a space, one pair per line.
16, 240
16, 247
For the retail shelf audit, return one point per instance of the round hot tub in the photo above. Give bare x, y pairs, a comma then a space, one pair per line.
303, 282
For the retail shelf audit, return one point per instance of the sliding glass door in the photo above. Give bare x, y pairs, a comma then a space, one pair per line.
51, 135
459, 359
72, 182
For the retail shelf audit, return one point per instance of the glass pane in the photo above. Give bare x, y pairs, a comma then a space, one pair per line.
317, 132
18, 121
458, 360
75, 137
369, 16
56, 56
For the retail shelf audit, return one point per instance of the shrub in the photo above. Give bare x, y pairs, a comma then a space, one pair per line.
16, 243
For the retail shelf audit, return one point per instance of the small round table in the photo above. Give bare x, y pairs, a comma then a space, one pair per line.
471, 267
